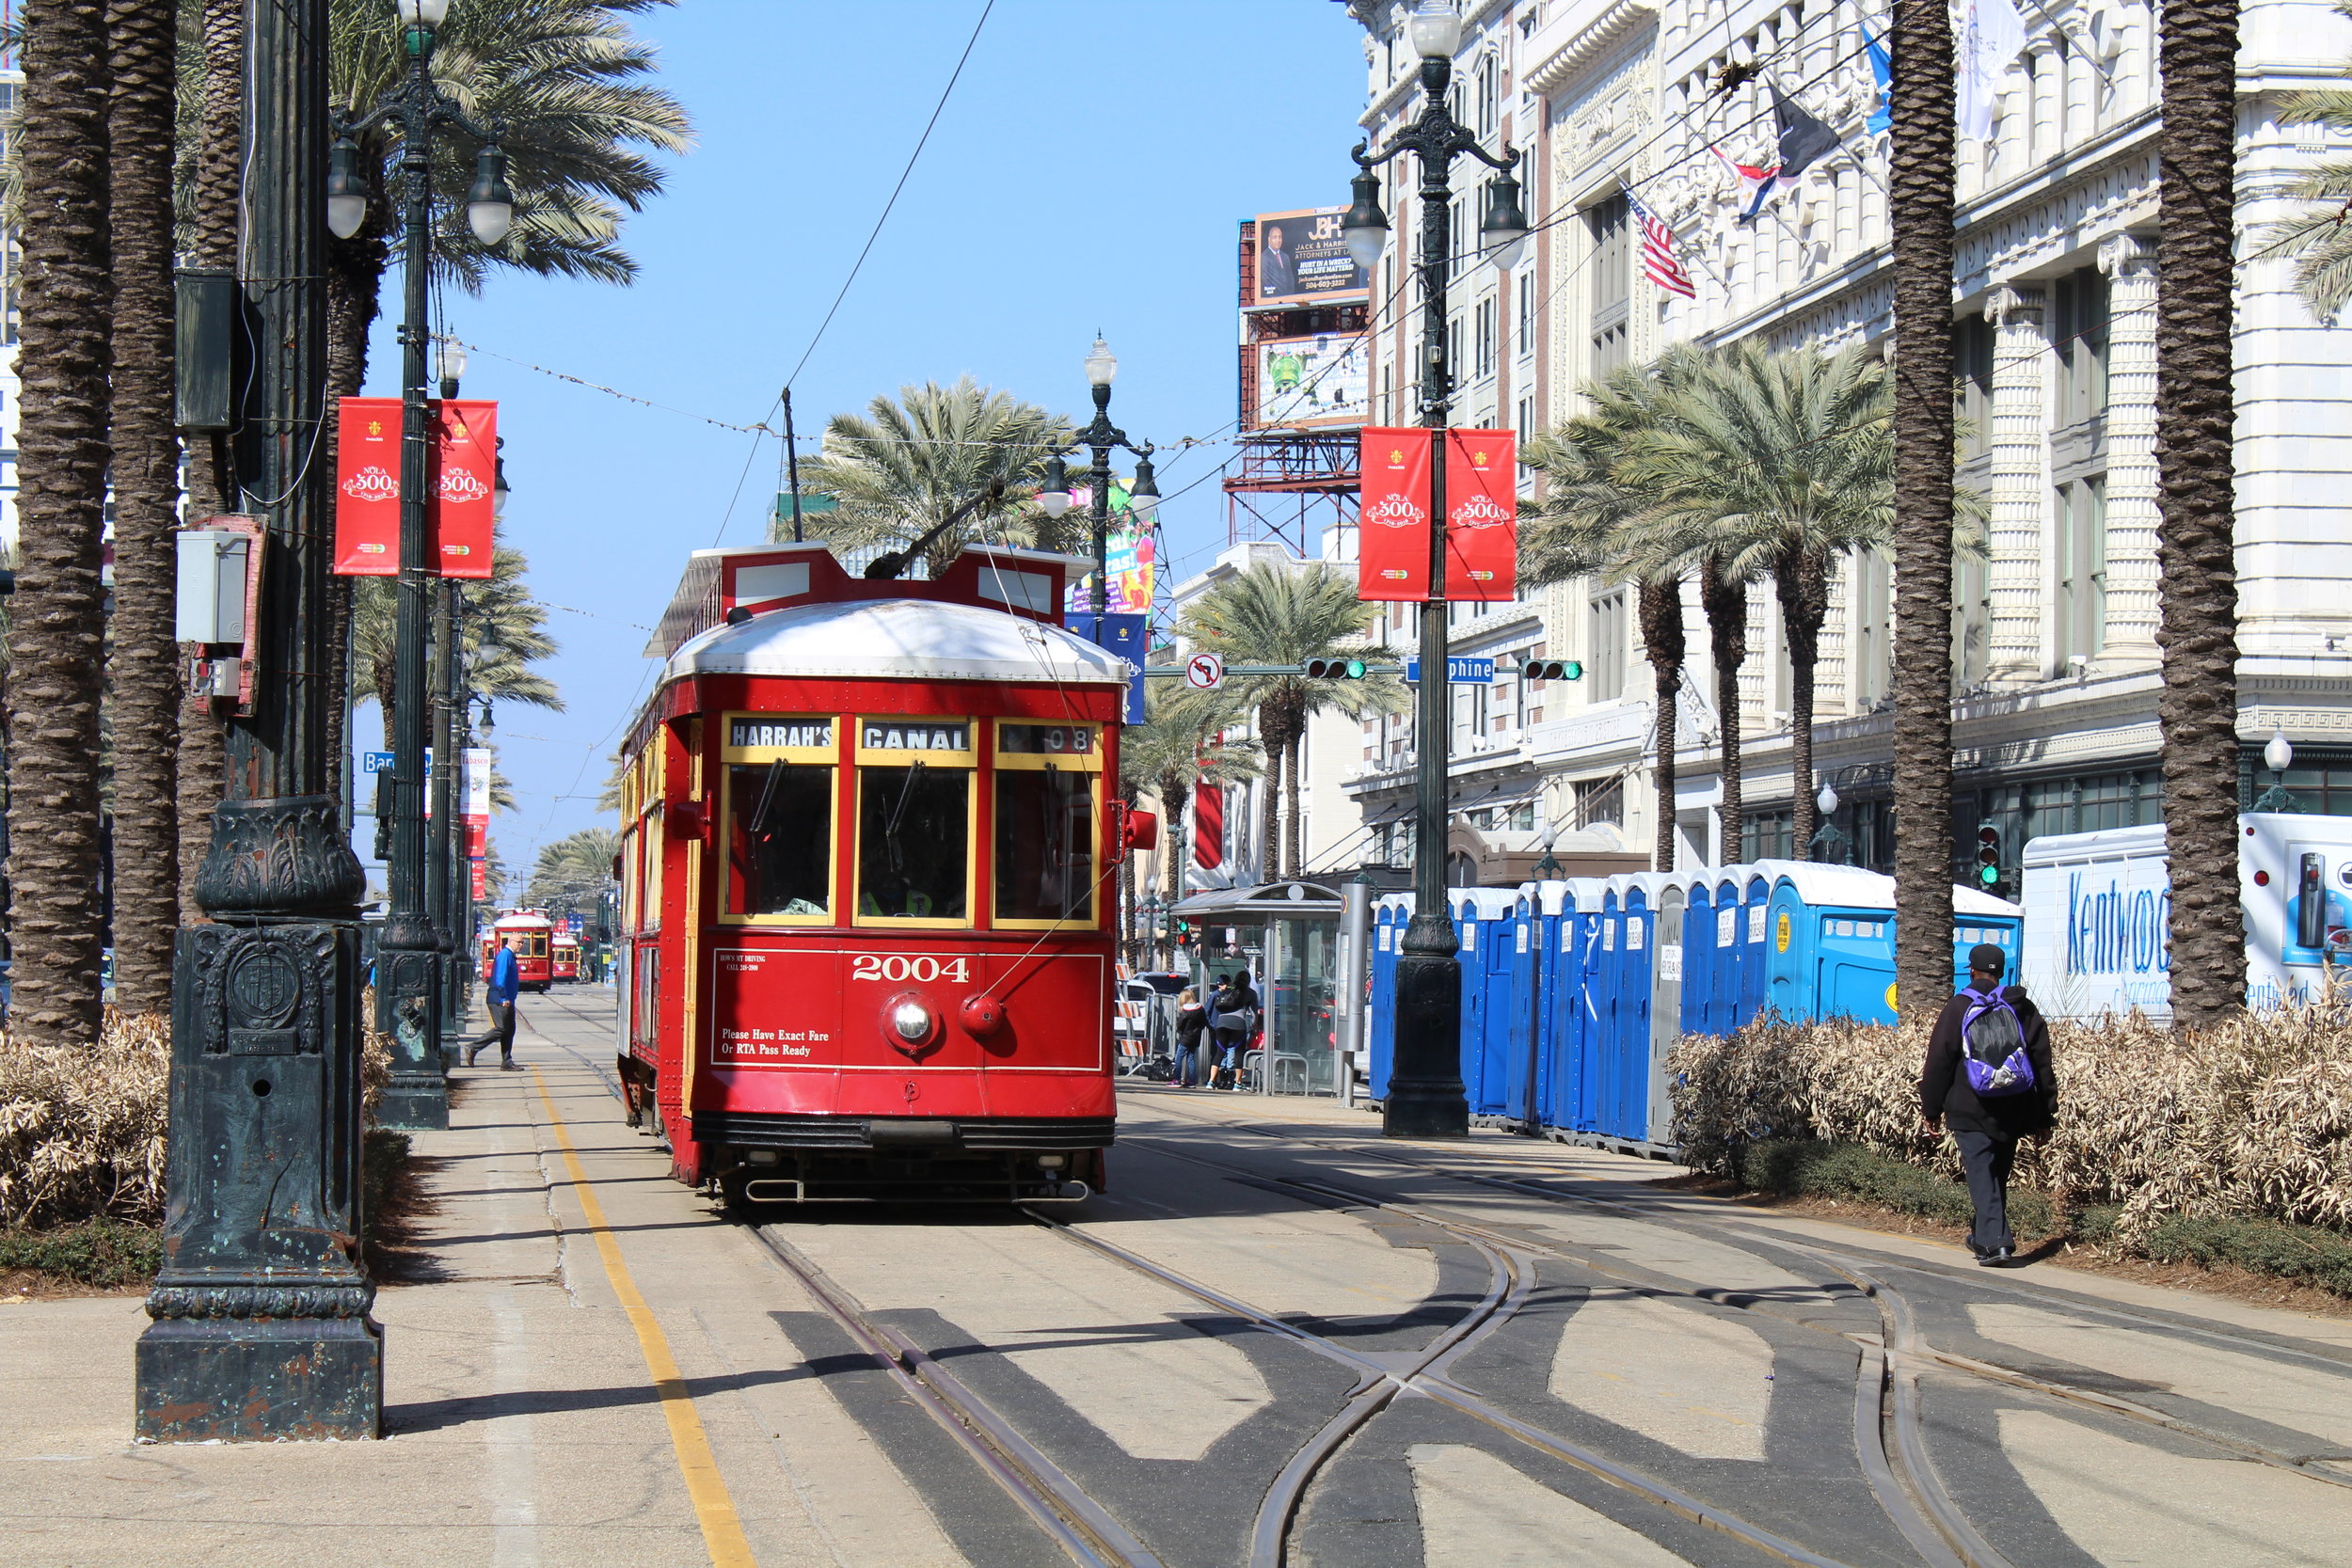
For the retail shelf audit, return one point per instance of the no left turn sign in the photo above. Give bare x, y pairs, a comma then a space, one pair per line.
1205, 672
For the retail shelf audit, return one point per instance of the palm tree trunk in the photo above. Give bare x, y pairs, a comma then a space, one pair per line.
211, 484
1175, 791
2197, 709
56, 624
1661, 610
1289, 802
145, 664
1270, 801
1726, 607
1922, 224
1800, 581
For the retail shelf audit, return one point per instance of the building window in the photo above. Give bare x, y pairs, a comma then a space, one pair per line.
2078, 331
1972, 365
1872, 645
1486, 311
1612, 283
2325, 790
1606, 645
1599, 800
1767, 835
1527, 310
1489, 96
2080, 544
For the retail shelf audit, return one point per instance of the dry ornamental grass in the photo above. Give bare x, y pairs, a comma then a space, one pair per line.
2251, 1120
82, 1132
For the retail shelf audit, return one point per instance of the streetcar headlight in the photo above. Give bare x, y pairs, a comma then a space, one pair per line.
913, 1021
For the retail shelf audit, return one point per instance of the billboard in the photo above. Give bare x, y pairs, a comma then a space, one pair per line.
1326, 379
1298, 258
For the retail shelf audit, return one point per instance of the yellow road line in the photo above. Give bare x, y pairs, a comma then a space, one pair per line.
714, 1509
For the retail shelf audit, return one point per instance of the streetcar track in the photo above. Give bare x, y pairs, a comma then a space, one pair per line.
1425, 1372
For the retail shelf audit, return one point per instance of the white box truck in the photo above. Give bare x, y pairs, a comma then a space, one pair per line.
2098, 908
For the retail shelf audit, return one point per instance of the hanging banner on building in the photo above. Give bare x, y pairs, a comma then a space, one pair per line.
1129, 558
461, 510
367, 487
465, 499
1481, 513
480, 878
1208, 825
1392, 516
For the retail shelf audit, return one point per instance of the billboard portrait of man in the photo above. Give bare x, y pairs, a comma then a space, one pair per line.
1277, 268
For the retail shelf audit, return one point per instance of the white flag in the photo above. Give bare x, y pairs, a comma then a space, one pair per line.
1992, 35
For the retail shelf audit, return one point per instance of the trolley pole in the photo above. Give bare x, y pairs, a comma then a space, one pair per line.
1426, 1093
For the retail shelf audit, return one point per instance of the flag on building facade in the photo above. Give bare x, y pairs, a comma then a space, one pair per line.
1755, 183
1883, 78
1991, 36
1208, 825
1660, 264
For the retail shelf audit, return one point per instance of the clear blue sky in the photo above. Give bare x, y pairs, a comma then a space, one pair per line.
1088, 174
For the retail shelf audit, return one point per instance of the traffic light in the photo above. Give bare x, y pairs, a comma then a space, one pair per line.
1184, 933
1554, 670
1335, 669
1988, 854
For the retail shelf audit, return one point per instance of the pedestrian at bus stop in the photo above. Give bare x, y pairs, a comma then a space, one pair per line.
1988, 1078
1233, 1018
498, 996
1192, 1022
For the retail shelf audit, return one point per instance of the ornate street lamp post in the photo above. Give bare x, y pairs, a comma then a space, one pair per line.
1426, 1093
261, 1327
1102, 437
410, 953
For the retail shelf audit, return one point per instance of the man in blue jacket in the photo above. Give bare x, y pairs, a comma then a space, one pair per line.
505, 985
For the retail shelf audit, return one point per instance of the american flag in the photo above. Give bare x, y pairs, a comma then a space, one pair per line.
1659, 262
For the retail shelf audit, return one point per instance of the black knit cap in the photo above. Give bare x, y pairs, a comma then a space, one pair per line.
1986, 956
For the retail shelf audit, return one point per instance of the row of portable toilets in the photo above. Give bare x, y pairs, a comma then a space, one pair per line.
1573, 992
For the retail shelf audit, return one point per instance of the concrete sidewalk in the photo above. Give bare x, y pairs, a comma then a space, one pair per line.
522, 1423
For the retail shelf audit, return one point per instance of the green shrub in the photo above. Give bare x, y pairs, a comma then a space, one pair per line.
104, 1252
2297, 1252
1807, 1167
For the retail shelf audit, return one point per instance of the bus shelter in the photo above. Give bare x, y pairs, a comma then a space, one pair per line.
1286, 935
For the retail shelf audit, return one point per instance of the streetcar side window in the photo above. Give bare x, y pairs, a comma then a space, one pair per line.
914, 820
1046, 813
779, 771
779, 838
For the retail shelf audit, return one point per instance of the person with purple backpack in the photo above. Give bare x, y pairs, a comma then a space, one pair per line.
1988, 1080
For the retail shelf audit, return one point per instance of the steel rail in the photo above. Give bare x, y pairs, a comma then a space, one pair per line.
1081, 1526
1426, 1375
2301, 1465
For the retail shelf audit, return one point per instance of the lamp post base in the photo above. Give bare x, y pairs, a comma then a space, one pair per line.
1425, 1095
261, 1327
415, 1097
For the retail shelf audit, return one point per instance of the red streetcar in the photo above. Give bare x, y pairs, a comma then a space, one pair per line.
528, 932
866, 934
563, 958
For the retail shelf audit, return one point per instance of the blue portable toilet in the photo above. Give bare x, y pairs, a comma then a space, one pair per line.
1573, 1005
1698, 958
1546, 973
1979, 917
1391, 913
1483, 919
1756, 891
1627, 944
1832, 948
1666, 892
1523, 1038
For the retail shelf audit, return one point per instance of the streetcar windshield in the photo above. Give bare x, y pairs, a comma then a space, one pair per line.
779, 838
1044, 846
914, 833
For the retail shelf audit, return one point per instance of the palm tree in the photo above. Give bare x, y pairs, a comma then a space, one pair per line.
1289, 615
2318, 235
1574, 528
144, 666
1921, 220
1180, 744
574, 869
1776, 464
2197, 709
906, 465
504, 634
57, 625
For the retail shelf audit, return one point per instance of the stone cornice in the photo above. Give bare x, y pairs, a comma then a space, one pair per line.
1584, 47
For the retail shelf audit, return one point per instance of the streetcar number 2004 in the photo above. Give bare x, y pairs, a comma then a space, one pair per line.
873, 966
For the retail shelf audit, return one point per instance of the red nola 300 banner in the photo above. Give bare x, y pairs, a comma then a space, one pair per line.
1481, 514
1392, 516
462, 510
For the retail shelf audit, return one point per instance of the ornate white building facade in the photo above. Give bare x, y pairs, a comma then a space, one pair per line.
2053, 317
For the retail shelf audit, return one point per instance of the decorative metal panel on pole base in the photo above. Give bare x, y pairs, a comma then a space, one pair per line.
1425, 1096
260, 1329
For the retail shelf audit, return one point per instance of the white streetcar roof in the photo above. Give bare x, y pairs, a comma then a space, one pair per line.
898, 640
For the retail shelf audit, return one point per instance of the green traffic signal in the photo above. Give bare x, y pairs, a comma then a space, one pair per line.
1554, 670
1336, 669
1988, 875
